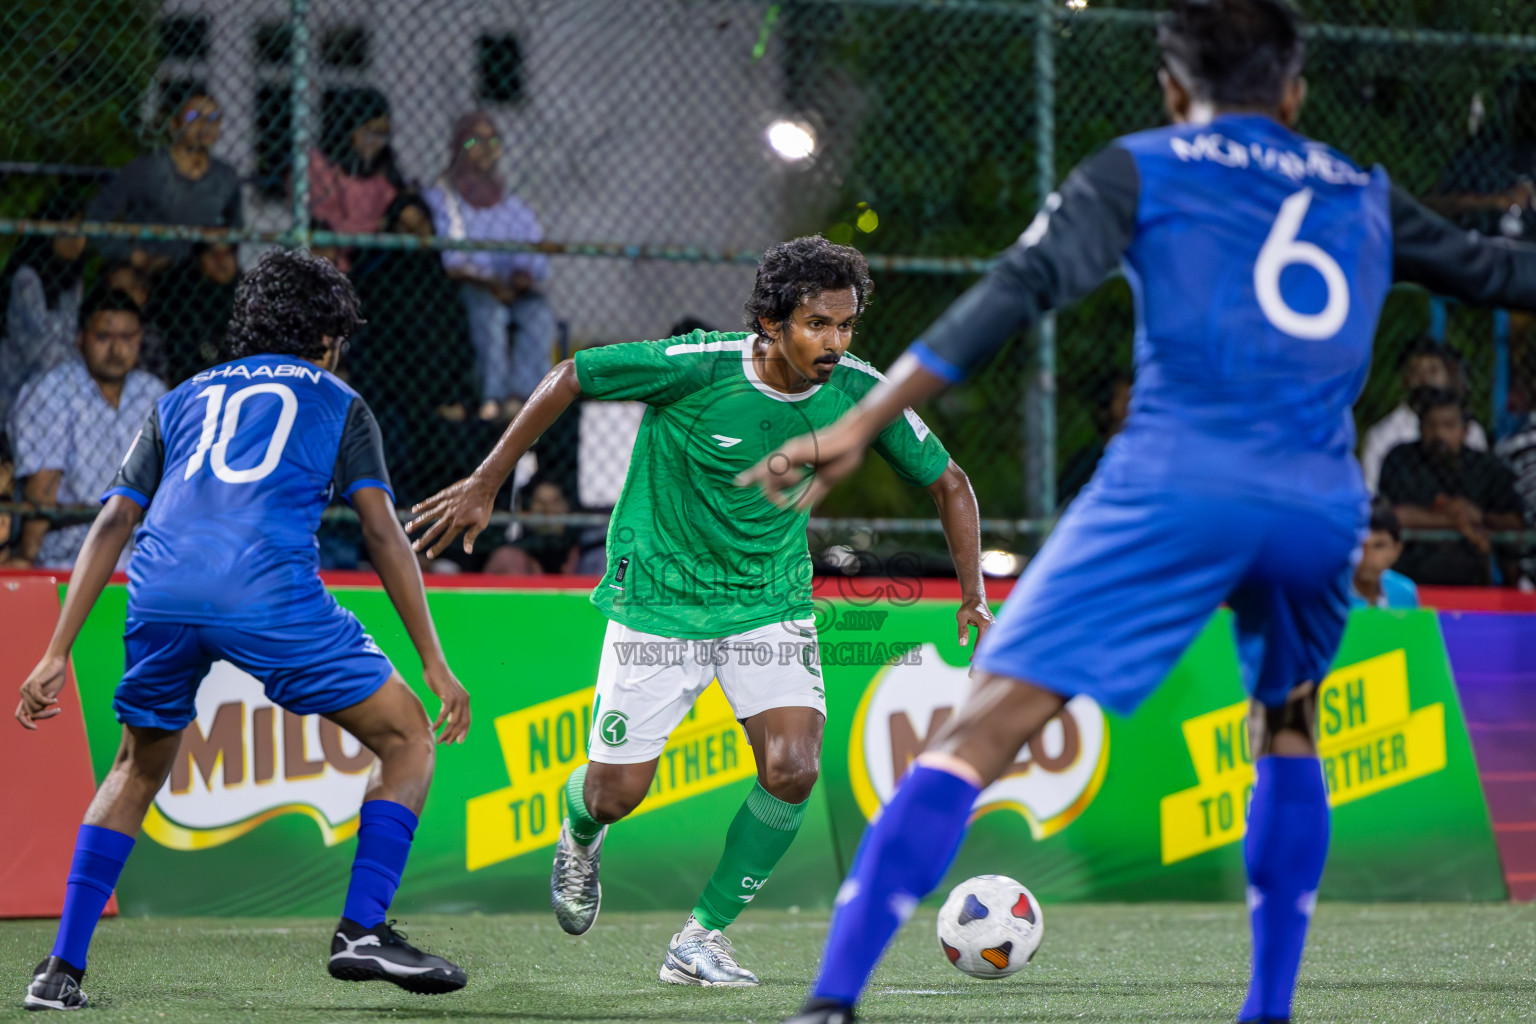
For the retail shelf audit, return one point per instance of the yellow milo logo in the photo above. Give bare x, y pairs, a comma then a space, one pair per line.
543, 744
1367, 738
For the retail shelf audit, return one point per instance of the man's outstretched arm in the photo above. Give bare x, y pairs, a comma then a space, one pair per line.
466, 505
1072, 245
1478, 269
103, 546
390, 552
961, 518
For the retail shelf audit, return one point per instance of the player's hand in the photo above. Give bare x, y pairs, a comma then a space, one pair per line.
973, 612
464, 506
40, 693
781, 475
453, 719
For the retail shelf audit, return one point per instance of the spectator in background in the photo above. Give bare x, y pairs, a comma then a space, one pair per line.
42, 314
72, 426
1436, 482
136, 284
1424, 363
7, 487
412, 361
1488, 185
335, 255
1375, 583
542, 549
510, 323
352, 176
181, 184
1111, 405
1518, 452
191, 309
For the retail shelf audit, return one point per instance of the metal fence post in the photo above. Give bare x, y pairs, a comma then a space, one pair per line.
299, 119
1040, 390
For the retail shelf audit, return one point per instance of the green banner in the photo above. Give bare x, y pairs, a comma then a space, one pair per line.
1151, 807
258, 815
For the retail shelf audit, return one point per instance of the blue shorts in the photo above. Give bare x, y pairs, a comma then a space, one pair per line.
1128, 579
305, 670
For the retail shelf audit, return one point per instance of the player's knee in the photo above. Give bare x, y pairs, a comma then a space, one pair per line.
791, 780
1288, 729
408, 745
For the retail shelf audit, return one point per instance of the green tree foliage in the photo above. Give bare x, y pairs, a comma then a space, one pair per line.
73, 75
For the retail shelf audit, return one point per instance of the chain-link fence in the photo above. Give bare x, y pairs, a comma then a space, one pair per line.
506, 182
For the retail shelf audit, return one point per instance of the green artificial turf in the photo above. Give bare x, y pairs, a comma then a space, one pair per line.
1145, 962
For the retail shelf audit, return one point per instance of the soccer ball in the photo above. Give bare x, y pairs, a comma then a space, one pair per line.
990, 926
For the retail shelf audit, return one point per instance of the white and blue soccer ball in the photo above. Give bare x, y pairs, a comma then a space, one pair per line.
990, 926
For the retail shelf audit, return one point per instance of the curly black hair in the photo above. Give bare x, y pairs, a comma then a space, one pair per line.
1234, 53
794, 271
289, 304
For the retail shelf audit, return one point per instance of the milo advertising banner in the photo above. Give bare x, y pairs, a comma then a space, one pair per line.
1153, 806
258, 814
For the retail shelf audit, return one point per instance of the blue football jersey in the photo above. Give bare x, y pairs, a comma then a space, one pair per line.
1258, 264
1259, 261
234, 467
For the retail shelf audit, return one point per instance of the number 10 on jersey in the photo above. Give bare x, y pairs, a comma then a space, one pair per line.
216, 451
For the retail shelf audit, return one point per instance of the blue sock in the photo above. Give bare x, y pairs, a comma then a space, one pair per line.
1286, 846
383, 843
100, 854
903, 856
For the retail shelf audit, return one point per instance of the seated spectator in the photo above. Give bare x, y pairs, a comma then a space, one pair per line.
412, 361
510, 323
542, 549
335, 255
42, 313
1375, 584
73, 425
7, 487
136, 284
1518, 451
191, 309
1438, 483
181, 184
1424, 363
1112, 403
352, 176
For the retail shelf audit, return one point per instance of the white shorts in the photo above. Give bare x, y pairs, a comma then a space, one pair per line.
646, 684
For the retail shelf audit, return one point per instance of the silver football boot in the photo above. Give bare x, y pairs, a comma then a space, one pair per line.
574, 891
698, 956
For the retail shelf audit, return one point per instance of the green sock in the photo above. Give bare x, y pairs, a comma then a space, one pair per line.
584, 828
760, 833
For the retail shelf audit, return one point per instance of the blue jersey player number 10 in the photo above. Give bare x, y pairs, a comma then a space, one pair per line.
229, 476
214, 395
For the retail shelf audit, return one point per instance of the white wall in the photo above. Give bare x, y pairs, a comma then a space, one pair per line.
641, 124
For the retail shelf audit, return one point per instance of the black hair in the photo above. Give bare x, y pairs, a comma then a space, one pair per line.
1384, 518
343, 111
1234, 53
687, 325
106, 299
792, 272
1419, 345
1422, 400
289, 304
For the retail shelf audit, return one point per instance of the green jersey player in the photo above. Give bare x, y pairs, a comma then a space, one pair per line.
711, 574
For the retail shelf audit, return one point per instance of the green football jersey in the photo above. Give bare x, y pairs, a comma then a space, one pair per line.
690, 554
